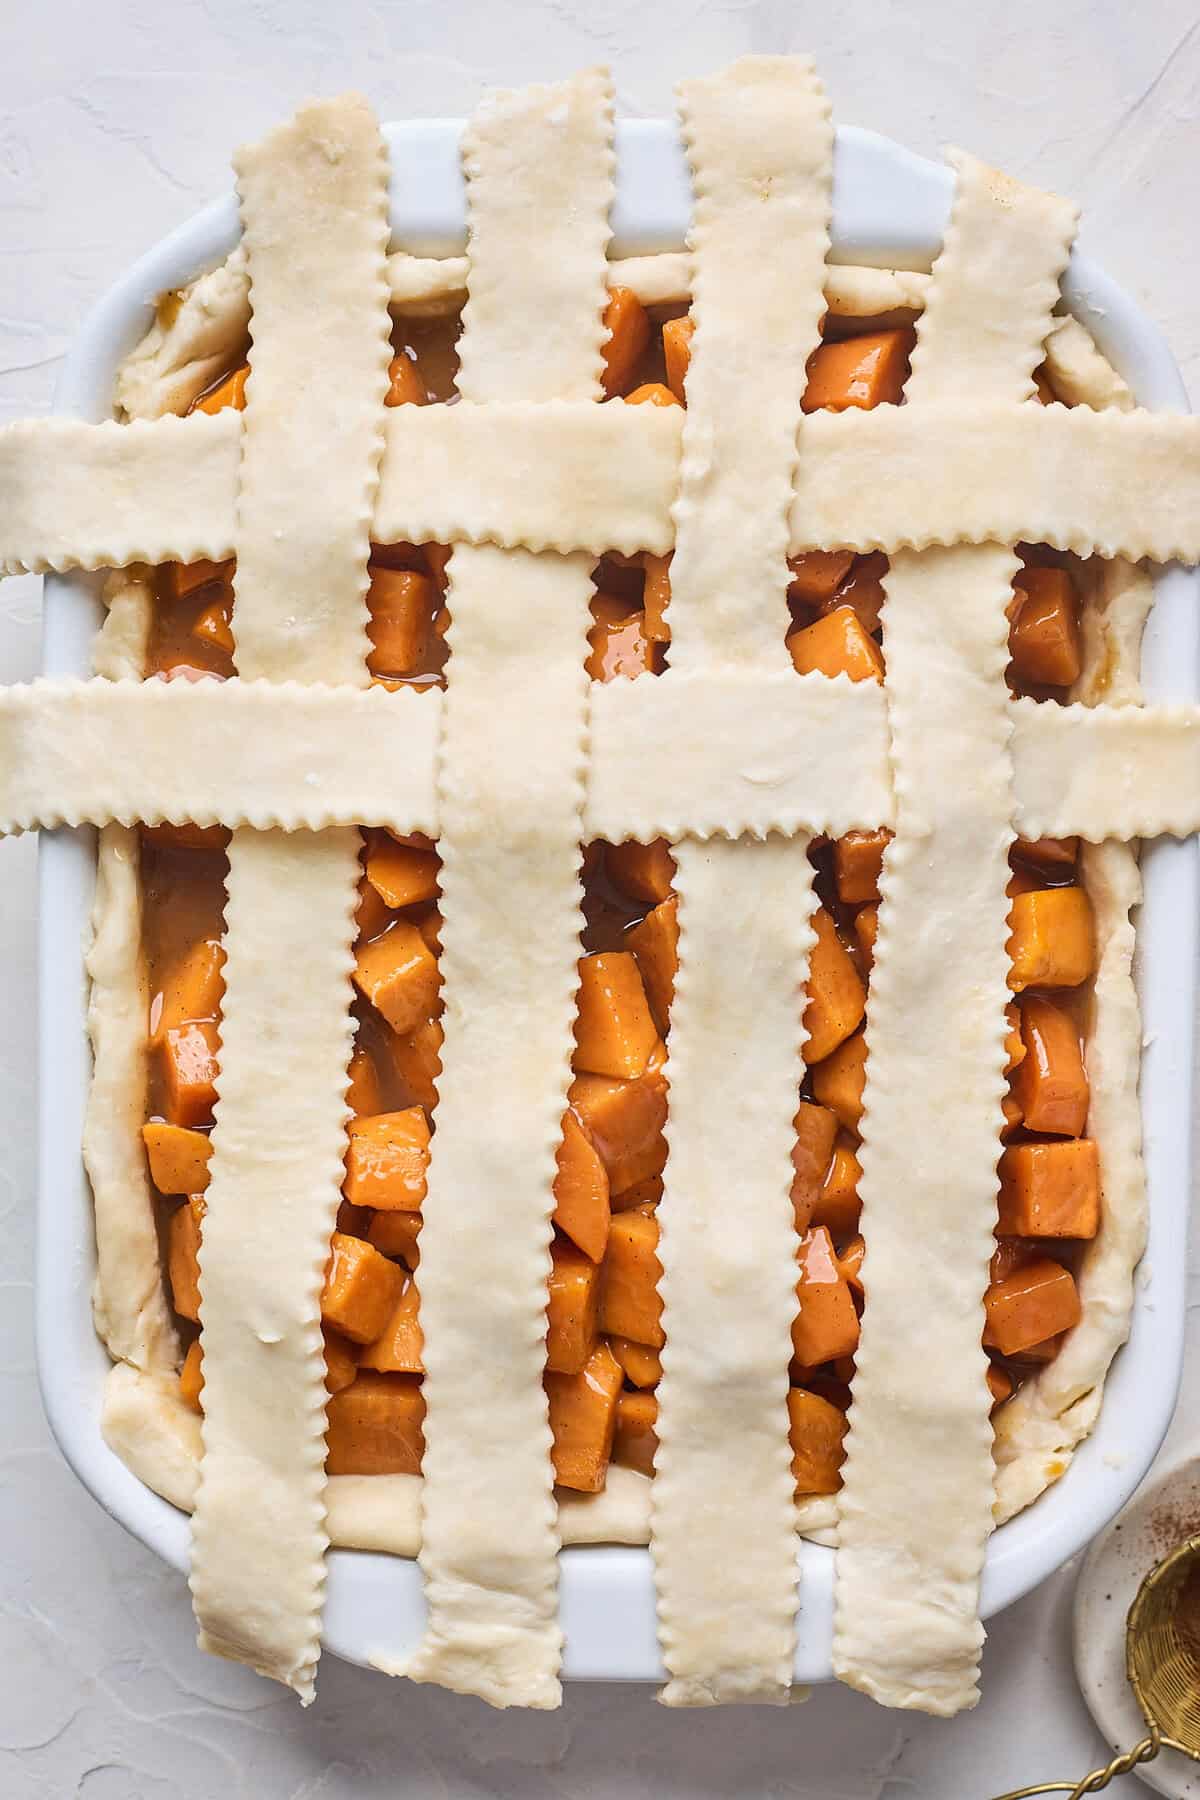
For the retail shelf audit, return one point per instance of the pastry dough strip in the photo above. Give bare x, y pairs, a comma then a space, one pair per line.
760, 144
511, 796
314, 201
915, 1507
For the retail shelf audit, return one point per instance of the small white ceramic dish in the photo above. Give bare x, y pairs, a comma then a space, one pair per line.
1164, 1514
889, 209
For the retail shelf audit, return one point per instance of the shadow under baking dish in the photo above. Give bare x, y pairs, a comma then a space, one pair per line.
889, 210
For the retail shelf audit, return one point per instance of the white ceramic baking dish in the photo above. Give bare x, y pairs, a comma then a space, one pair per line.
889, 209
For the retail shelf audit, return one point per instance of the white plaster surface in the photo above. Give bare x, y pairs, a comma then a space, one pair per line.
117, 121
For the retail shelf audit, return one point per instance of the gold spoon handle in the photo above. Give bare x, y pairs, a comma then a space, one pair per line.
1099, 1778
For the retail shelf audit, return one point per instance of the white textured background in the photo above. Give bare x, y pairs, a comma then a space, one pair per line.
118, 121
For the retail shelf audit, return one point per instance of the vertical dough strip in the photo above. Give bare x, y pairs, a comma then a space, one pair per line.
314, 202
512, 759
760, 144
915, 1508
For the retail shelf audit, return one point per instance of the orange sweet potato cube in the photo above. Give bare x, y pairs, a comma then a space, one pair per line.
836, 644
838, 1206
635, 1443
371, 915
867, 370
641, 1364
573, 1297
812, 1151
1053, 939
375, 1426
651, 393
1056, 854
397, 1350
857, 862
628, 327
866, 930
1000, 1384
396, 1234
398, 974
583, 1418
416, 1058
191, 1377
643, 1196
838, 1082
655, 943
1030, 1306
184, 579
850, 1262
614, 1032
826, 1323
581, 1194
1050, 1086
644, 871
1050, 1190
213, 624
341, 1360
677, 354
816, 575
624, 1120
230, 391
405, 387
192, 988
387, 1155
363, 1092
837, 998
656, 596
400, 874
816, 1431
188, 1058
400, 605
183, 1256
1043, 639
629, 1300
621, 647
361, 1288
178, 1158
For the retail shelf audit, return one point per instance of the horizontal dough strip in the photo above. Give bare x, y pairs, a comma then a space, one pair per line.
1099, 483
773, 753
576, 476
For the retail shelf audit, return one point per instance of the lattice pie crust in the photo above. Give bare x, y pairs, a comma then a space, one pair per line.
733, 757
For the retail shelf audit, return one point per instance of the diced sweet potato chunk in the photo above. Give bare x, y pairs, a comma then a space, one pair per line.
651, 393
1035, 1303
374, 1426
191, 1377
643, 1196
867, 370
405, 387
838, 1081
178, 1158
396, 1234
655, 943
183, 579
656, 597
1000, 1385
816, 1128
371, 916
387, 1155
836, 644
816, 1431
1053, 939
1050, 1190
863, 591
192, 989
212, 625
620, 644
1044, 640
826, 1324
341, 1360
644, 871
583, 1418
401, 875
363, 1093
628, 326
1051, 1086
398, 975
572, 1303
677, 354
816, 575
838, 1206
188, 1059
850, 1262
641, 1364
401, 604
837, 999
361, 1288
629, 1301
625, 1120
635, 1444
1057, 854
581, 1203
866, 930
229, 392
183, 1257
417, 1061
397, 1350
614, 1032
857, 862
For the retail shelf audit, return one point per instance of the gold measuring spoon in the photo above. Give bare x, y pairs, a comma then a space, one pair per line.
1162, 1662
